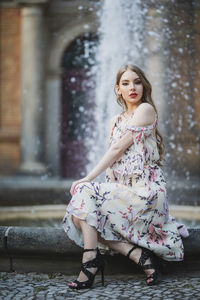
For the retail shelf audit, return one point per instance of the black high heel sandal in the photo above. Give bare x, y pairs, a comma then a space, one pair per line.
147, 254
97, 262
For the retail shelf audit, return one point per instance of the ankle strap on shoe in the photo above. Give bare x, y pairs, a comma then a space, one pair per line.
134, 247
86, 250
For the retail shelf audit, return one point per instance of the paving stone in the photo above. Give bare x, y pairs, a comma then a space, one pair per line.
33, 286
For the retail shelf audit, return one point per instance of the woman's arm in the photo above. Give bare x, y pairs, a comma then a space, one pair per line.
112, 154
112, 125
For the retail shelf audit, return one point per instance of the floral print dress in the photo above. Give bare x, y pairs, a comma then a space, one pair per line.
132, 204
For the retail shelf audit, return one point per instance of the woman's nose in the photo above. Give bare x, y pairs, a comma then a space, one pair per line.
132, 86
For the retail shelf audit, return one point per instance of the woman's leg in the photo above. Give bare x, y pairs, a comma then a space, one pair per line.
124, 248
90, 242
91, 237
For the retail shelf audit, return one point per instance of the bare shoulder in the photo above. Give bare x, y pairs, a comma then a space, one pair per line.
144, 115
146, 108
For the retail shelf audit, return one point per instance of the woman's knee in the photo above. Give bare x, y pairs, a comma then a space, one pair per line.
76, 221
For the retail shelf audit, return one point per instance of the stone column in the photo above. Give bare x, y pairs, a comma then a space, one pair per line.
32, 82
53, 122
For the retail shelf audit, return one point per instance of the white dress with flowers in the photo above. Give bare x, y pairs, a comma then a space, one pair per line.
132, 205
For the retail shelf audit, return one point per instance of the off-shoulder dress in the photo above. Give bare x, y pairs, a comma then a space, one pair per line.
132, 204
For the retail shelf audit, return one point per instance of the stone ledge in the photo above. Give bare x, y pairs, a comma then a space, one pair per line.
57, 211
42, 190
30, 190
50, 250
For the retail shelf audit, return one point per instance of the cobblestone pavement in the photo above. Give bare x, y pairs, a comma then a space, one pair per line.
33, 286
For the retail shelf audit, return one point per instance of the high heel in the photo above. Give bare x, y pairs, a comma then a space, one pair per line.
97, 262
145, 255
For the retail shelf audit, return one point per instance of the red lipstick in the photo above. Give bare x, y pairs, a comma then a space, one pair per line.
133, 95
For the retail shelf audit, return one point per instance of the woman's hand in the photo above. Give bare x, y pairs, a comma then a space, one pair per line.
75, 183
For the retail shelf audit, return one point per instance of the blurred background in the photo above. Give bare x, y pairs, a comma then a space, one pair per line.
59, 60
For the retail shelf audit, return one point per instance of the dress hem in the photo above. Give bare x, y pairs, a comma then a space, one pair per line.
100, 244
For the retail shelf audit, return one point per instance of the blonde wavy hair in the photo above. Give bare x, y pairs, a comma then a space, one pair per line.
146, 97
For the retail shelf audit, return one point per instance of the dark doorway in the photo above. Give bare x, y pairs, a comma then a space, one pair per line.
78, 87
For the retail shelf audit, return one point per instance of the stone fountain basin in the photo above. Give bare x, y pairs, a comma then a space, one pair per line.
51, 215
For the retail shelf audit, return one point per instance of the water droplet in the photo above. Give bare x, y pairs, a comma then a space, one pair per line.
180, 149
172, 145
174, 84
73, 79
179, 129
81, 108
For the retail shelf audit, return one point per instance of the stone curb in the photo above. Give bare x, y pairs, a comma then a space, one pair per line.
23, 248
54, 241
36, 241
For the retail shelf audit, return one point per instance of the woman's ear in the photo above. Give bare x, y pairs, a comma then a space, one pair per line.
117, 90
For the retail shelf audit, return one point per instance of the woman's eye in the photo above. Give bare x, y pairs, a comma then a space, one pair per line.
125, 83
138, 82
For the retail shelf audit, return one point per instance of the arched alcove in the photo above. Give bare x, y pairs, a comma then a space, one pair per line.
77, 104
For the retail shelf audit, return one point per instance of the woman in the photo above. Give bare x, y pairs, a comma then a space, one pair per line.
129, 212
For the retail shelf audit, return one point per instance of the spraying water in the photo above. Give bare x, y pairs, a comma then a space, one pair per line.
120, 31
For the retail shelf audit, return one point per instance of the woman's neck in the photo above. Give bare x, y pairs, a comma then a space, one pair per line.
131, 109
